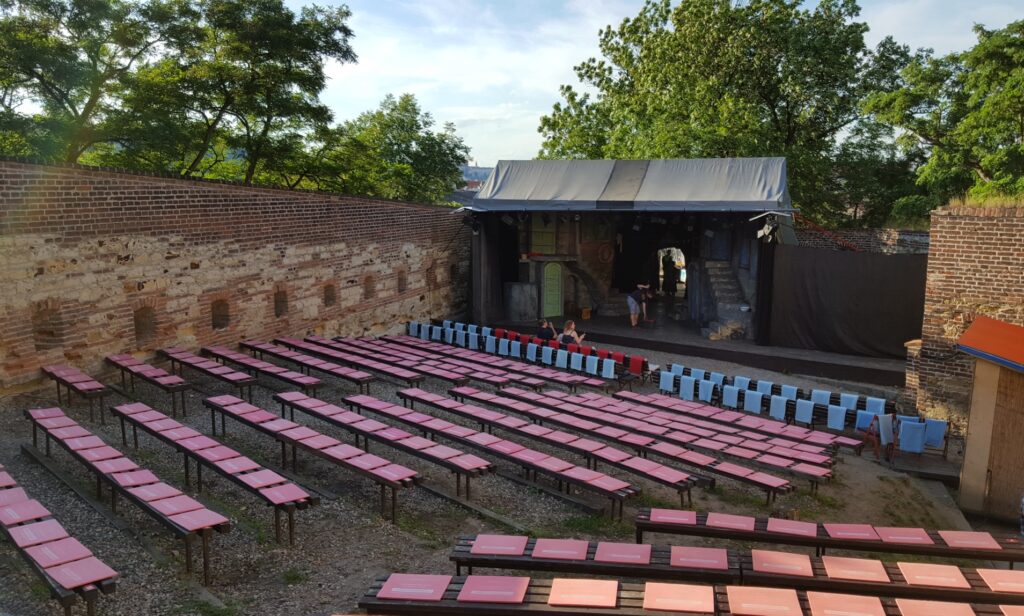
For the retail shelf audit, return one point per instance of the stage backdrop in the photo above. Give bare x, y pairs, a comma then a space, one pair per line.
858, 303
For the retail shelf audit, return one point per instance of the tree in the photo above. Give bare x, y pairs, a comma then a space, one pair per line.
966, 110
713, 78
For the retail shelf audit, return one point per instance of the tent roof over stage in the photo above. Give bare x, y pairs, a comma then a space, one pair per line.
671, 185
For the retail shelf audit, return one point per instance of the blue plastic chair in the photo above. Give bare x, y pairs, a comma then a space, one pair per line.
875, 405
730, 396
562, 359
804, 411
706, 391
547, 355
576, 362
697, 373
460, 327
912, 437
515, 349
425, 332
789, 392
503, 347
742, 382
821, 396
446, 324
474, 342
436, 333
414, 328
849, 401
777, 408
752, 401
718, 379
471, 328
608, 369
863, 421
667, 381
678, 369
687, 385
485, 331
491, 345
935, 433
460, 338
449, 336
765, 387
908, 419
592, 364
531, 353
836, 417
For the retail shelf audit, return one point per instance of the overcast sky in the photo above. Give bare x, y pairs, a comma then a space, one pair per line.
493, 67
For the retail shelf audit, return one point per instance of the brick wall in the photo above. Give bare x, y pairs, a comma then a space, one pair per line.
975, 266
889, 241
94, 262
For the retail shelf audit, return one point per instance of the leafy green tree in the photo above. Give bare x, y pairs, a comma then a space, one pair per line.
714, 78
966, 110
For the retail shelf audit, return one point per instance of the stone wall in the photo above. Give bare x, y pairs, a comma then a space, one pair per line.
889, 241
95, 262
975, 266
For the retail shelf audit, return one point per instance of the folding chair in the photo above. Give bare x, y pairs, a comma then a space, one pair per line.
449, 336
592, 365
607, 368
414, 328
460, 338
491, 344
576, 362
515, 349
446, 324
765, 387
717, 378
562, 359
849, 401
836, 417
460, 327
474, 342
706, 391
752, 401
436, 333
936, 432
531, 353
425, 332
554, 344
678, 369
731, 397
821, 396
471, 328
863, 421
741, 382
875, 405
485, 331
804, 412
886, 436
572, 347
686, 386
547, 355
499, 333
587, 350
697, 373
603, 354
777, 408
788, 392
667, 381
503, 347
908, 419
911, 438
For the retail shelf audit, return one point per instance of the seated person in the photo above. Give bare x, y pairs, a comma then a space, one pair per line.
546, 330
570, 335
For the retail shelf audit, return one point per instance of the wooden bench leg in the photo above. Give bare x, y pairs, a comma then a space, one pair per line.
467, 487
206, 555
394, 506
124, 433
277, 524
188, 485
188, 553
291, 526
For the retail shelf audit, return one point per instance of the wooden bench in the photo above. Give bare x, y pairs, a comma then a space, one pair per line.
462, 465
408, 377
274, 490
74, 380
483, 372
180, 358
69, 569
258, 367
183, 516
171, 384
961, 544
591, 450
531, 461
308, 363
456, 375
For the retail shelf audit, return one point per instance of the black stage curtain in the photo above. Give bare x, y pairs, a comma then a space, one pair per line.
857, 303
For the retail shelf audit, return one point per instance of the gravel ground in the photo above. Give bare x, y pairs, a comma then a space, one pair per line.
344, 544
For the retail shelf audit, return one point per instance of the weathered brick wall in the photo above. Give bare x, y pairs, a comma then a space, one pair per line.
889, 241
94, 262
975, 266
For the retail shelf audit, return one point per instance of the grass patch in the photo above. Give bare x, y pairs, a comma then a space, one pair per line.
596, 525
202, 608
649, 500
420, 528
293, 576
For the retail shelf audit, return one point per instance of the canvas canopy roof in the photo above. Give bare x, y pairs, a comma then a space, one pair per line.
673, 185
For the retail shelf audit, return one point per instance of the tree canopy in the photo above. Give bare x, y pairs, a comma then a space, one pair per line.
208, 88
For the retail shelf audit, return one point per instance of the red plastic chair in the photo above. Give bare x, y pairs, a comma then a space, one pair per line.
511, 335
499, 333
636, 365
538, 341
524, 339
572, 347
603, 353
554, 344
619, 357
586, 350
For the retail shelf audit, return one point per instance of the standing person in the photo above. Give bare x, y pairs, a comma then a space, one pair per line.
546, 330
637, 301
570, 335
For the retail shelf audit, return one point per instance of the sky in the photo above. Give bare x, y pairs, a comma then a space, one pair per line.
494, 67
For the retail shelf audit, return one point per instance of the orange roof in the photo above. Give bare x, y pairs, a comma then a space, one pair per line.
994, 341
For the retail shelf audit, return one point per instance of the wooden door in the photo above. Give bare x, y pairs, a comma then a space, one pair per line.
1006, 457
552, 290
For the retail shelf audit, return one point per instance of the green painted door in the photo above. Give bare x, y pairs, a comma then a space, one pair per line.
552, 290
